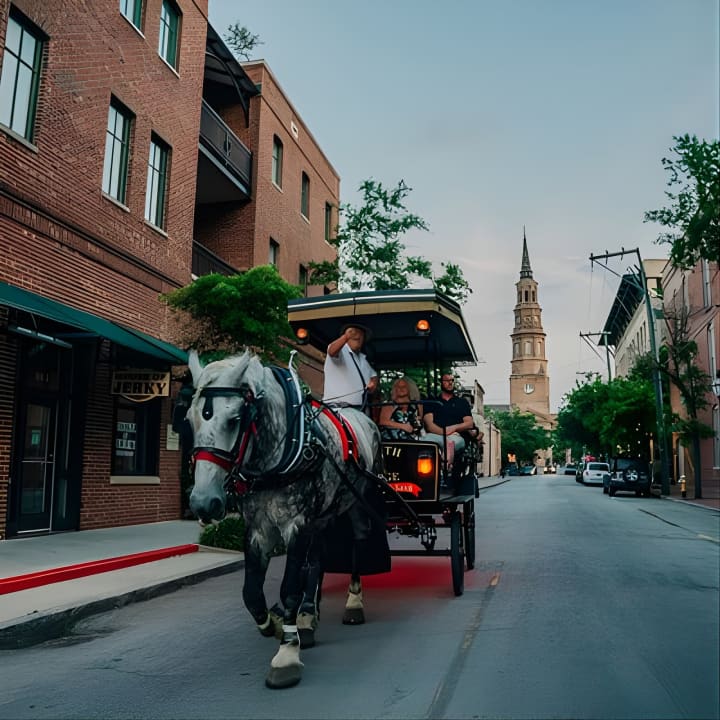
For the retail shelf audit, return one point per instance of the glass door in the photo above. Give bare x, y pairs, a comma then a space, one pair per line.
36, 466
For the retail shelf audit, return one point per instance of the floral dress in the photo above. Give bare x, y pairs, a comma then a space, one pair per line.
402, 416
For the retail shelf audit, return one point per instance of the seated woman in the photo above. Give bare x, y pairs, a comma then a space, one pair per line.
402, 419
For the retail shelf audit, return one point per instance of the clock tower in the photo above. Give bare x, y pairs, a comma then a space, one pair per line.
529, 381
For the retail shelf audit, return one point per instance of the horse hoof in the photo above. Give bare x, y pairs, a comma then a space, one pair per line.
283, 677
353, 616
307, 638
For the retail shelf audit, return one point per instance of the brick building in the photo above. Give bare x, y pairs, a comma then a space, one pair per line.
130, 141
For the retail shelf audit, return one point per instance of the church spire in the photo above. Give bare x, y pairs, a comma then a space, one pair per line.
525, 269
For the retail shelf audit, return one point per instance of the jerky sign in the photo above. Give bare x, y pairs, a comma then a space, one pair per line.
140, 385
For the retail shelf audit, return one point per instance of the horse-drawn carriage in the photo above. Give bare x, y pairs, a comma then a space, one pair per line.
264, 447
420, 332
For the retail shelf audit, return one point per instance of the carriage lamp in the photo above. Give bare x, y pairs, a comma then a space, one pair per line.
302, 335
422, 327
425, 465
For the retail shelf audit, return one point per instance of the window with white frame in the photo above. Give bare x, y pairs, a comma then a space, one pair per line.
716, 438
132, 10
303, 279
117, 151
712, 357
20, 79
706, 283
277, 161
156, 190
274, 252
169, 33
305, 196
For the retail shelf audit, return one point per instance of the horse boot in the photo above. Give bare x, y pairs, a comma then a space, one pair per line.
286, 667
354, 613
271, 624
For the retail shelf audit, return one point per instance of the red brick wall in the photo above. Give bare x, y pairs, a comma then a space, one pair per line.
241, 235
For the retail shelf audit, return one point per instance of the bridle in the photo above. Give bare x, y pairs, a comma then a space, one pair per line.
230, 460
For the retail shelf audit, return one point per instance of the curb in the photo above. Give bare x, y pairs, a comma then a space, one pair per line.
57, 624
79, 570
690, 503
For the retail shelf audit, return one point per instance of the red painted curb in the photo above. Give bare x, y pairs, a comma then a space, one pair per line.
71, 572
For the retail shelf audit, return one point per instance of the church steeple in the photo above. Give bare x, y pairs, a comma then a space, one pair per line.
525, 269
529, 381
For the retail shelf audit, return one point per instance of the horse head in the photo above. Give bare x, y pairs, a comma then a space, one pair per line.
222, 415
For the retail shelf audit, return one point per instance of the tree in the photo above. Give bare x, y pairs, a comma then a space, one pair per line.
520, 434
226, 314
694, 215
371, 253
241, 41
678, 361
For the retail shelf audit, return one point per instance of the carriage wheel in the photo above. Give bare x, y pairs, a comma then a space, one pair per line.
457, 555
469, 534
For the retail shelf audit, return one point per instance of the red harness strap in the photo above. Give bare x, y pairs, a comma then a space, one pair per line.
348, 438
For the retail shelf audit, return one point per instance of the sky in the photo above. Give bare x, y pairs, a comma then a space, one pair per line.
552, 115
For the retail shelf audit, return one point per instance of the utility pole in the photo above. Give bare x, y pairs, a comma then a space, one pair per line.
604, 334
640, 281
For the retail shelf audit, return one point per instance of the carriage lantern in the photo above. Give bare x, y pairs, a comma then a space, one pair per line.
422, 327
302, 335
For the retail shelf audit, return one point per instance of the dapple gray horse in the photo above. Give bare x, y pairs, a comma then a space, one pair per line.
253, 431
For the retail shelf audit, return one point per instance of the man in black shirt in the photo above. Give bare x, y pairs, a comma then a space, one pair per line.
450, 418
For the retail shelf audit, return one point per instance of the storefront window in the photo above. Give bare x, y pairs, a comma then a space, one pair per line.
136, 437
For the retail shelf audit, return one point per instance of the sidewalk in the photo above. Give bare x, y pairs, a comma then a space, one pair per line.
49, 582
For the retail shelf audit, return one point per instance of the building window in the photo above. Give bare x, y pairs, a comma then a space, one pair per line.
117, 151
169, 25
303, 279
274, 253
328, 222
277, 161
132, 10
526, 296
305, 197
136, 438
716, 437
156, 182
20, 80
712, 357
706, 283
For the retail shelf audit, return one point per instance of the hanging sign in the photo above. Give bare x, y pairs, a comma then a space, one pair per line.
140, 385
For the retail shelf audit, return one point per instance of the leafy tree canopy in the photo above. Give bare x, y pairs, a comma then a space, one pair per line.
520, 434
693, 217
371, 253
225, 314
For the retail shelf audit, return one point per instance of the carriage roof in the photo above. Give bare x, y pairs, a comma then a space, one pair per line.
391, 317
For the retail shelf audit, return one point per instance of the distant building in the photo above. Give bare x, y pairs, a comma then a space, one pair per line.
529, 379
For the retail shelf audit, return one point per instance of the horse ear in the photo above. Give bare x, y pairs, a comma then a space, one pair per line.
194, 365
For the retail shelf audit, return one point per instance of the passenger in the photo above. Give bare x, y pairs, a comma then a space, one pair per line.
403, 419
451, 416
349, 377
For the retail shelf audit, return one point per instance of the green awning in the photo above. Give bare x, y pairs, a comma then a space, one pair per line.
30, 302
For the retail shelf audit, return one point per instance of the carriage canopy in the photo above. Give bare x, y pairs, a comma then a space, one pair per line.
408, 327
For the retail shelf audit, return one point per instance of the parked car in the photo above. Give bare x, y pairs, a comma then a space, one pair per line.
569, 469
629, 475
528, 470
594, 473
550, 469
511, 469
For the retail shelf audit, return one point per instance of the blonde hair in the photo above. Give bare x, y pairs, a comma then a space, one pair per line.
413, 391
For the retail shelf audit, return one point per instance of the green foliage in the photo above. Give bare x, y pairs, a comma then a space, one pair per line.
694, 213
228, 534
371, 253
520, 434
241, 41
615, 417
226, 314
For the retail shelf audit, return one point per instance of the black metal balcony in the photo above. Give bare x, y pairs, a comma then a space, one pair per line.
205, 261
224, 163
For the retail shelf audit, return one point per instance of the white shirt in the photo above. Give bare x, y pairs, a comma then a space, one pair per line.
343, 385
